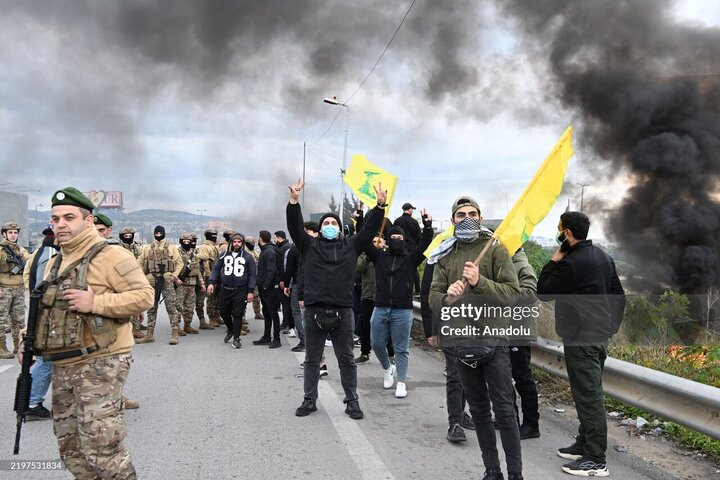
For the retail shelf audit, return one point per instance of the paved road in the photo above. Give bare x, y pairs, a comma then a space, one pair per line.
210, 411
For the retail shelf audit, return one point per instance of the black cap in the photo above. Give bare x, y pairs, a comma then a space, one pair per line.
159, 229
407, 206
333, 215
394, 230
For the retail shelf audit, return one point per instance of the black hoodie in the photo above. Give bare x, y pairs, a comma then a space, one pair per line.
329, 265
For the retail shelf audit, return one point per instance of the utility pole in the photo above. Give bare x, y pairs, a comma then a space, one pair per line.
582, 194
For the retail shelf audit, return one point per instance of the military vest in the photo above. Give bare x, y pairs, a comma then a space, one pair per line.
6, 266
133, 248
189, 260
159, 260
58, 328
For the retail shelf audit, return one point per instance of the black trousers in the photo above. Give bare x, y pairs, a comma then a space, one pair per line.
454, 390
287, 318
366, 310
270, 298
232, 303
492, 382
525, 386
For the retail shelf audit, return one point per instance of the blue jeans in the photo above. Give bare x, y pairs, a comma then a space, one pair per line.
41, 375
395, 322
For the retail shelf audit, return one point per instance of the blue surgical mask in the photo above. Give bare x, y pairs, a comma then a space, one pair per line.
330, 232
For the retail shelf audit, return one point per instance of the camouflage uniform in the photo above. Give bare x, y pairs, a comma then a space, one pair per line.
157, 254
257, 306
136, 249
89, 431
185, 293
12, 290
207, 254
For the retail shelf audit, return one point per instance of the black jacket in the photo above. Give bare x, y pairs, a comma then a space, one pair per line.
329, 265
589, 299
282, 249
234, 272
267, 270
411, 228
290, 272
395, 273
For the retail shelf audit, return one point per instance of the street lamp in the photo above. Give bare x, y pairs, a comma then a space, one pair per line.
201, 215
334, 101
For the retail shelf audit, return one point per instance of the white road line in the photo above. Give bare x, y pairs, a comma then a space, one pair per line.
5, 367
363, 454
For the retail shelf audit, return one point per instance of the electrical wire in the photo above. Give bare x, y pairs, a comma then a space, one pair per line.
368, 75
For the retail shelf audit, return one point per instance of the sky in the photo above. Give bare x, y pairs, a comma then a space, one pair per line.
206, 105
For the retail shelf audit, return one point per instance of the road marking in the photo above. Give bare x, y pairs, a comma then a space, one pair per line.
5, 367
363, 454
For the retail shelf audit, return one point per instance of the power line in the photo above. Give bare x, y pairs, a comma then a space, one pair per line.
367, 76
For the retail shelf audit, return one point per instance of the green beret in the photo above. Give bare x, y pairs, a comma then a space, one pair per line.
102, 218
72, 196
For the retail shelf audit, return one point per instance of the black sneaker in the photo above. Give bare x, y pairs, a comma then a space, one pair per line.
584, 467
275, 343
527, 431
228, 336
493, 474
456, 434
353, 410
237, 343
323, 371
262, 341
38, 412
362, 358
467, 422
515, 476
300, 347
573, 452
307, 407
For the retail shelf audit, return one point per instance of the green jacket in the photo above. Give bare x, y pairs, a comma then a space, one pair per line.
366, 269
526, 278
497, 286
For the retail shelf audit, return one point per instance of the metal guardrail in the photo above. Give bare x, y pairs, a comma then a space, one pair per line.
685, 402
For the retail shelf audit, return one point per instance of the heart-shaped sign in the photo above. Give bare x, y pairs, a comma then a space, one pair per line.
96, 197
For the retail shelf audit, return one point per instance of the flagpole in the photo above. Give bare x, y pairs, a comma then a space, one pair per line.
451, 298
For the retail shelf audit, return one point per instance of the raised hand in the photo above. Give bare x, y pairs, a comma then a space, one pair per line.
380, 194
426, 218
295, 190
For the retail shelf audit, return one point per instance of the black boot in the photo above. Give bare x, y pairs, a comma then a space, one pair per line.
262, 341
275, 343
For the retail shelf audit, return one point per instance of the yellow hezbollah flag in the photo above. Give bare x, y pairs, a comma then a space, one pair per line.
363, 175
449, 232
538, 198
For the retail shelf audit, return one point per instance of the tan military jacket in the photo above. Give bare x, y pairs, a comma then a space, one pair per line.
190, 259
9, 279
207, 252
121, 290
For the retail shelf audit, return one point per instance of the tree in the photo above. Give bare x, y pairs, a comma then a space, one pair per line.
537, 255
333, 206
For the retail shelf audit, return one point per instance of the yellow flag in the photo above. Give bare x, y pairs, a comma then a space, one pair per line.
449, 232
538, 198
362, 176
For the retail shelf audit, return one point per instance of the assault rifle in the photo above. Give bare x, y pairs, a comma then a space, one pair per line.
15, 260
24, 380
159, 285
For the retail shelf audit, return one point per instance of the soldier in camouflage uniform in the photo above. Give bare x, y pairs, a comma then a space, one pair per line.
257, 307
191, 278
12, 291
127, 241
207, 254
90, 369
162, 260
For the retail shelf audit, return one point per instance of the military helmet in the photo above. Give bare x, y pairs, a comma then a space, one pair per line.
193, 236
228, 232
10, 226
250, 240
186, 236
211, 231
127, 230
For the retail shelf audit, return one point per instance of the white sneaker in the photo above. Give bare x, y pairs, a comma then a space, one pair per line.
328, 343
292, 333
389, 379
400, 390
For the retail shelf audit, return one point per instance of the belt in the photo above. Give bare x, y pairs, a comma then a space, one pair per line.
238, 288
82, 352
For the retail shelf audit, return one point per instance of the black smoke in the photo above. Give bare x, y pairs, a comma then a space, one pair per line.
644, 89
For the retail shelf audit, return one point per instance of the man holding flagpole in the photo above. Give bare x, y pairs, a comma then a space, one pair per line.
456, 275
